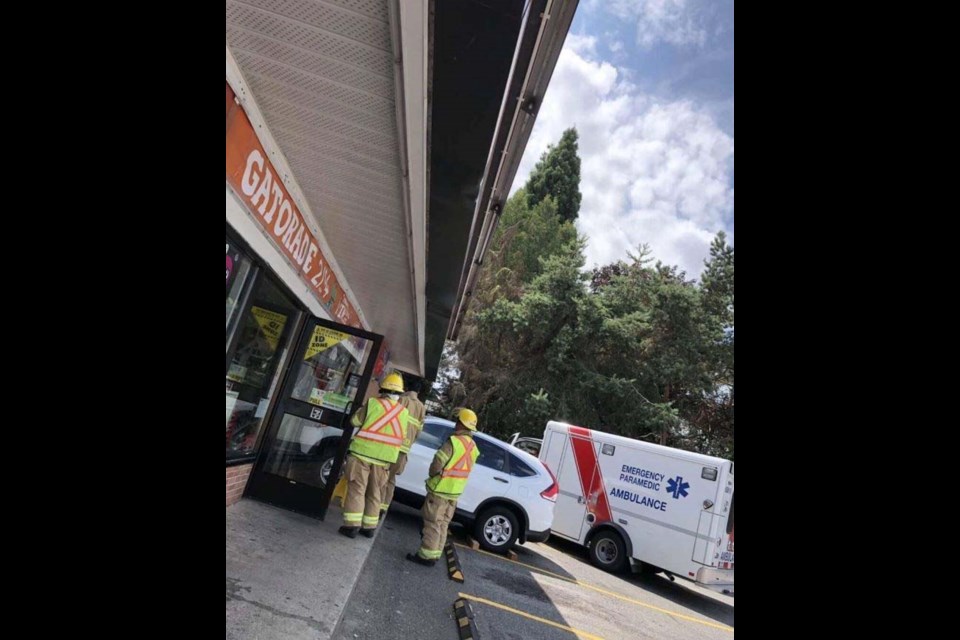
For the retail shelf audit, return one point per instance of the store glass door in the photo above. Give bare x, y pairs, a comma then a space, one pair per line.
309, 434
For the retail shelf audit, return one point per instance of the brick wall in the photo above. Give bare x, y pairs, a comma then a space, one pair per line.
237, 481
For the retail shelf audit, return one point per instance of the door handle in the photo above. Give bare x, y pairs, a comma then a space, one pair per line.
498, 479
580, 500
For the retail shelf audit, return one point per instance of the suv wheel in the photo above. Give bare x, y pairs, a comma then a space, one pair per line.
496, 529
325, 468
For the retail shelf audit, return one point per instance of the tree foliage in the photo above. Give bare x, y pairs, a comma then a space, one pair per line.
558, 175
633, 348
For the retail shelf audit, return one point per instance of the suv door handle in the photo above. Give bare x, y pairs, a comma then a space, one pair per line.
498, 479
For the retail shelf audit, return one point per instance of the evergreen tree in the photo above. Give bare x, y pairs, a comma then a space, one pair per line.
558, 175
633, 347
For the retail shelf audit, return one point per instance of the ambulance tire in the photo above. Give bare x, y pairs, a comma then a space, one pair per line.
608, 551
496, 529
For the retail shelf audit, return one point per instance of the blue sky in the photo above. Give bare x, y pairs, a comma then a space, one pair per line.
649, 86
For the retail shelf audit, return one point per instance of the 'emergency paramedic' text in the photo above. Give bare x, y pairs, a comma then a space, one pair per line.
641, 477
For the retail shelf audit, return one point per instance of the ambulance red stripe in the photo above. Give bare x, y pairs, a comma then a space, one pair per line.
588, 468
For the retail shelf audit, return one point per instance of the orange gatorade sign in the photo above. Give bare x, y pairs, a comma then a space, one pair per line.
256, 182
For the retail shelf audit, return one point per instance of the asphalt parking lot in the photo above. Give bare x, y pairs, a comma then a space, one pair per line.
550, 591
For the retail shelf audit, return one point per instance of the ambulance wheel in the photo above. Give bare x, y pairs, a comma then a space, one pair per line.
496, 529
608, 551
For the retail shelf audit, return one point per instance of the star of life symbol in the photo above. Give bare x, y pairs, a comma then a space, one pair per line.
677, 487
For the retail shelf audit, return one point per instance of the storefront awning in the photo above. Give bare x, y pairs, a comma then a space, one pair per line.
325, 79
479, 136
382, 116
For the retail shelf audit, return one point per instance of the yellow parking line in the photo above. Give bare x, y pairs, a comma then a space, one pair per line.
587, 585
582, 634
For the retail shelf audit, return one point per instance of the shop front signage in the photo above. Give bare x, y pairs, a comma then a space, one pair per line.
258, 185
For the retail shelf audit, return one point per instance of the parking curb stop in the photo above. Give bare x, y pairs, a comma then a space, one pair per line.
465, 624
453, 563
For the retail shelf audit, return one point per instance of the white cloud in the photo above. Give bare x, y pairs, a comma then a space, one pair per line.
671, 21
652, 171
582, 44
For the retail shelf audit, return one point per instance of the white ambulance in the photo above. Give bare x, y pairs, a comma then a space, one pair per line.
658, 508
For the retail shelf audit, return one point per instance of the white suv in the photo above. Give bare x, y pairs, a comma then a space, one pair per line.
510, 494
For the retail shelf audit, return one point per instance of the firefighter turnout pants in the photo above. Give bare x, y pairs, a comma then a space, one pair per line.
365, 480
437, 514
395, 469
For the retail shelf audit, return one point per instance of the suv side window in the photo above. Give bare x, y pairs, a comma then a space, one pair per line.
434, 434
491, 456
520, 468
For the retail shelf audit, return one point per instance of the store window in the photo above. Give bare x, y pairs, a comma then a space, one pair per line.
238, 271
331, 369
263, 338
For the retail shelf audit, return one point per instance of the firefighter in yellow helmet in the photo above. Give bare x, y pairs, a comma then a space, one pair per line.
448, 475
417, 414
383, 425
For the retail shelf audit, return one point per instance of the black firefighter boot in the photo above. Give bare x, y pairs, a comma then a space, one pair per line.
350, 532
415, 557
368, 532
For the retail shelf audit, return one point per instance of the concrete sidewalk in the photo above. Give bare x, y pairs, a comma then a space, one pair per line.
288, 576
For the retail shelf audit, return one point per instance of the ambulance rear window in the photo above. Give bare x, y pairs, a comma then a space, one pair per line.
730, 519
